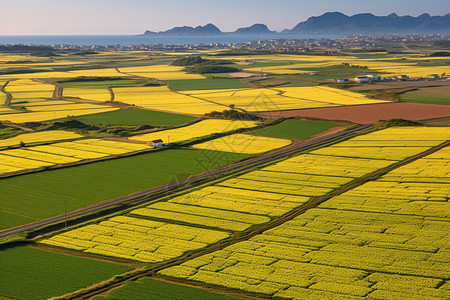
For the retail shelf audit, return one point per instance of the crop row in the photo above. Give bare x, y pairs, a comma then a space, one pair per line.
136, 239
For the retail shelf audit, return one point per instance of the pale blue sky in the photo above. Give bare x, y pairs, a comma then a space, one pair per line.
44, 17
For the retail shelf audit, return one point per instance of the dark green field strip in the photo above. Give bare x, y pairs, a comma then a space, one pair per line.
206, 84
296, 129
45, 194
135, 116
431, 99
148, 288
30, 273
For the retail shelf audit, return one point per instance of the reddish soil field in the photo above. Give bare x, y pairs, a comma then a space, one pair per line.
371, 113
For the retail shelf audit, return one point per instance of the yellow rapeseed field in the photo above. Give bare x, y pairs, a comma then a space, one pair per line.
161, 98
89, 94
39, 137
60, 153
136, 239
243, 143
161, 72
196, 130
386, 239
283, 98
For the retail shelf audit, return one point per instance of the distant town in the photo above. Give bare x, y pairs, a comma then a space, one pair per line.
331, 46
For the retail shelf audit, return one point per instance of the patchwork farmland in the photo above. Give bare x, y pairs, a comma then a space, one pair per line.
149, 178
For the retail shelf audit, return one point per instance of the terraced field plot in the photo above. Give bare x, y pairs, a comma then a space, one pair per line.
386, 239
243, 143
36, 157
196, 130
39, 137
161, 98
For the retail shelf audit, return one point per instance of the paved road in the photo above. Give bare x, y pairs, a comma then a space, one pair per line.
187, 183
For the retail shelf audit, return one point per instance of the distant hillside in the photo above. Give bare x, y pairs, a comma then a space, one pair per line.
332, 23
208, 29
255, 29
338, 23
211, 29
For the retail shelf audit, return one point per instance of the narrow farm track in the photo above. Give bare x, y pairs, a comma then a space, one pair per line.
185, 184
236, 238
8, 94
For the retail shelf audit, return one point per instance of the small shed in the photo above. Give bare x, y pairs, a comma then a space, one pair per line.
157, 143
362, 79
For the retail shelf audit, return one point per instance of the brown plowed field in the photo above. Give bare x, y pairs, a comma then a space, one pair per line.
371, 113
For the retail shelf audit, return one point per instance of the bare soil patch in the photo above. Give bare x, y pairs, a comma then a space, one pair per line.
371, 113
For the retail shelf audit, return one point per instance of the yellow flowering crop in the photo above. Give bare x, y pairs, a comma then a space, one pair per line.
161, 98
196, 130
243, 143
39, 137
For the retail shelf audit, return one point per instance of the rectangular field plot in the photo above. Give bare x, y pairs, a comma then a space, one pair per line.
386, 239
196, 130
29, 89
39, 137
149, 288
161, 72
30, 273
135, 116
63, 153
209, 217
283, 98
161, 98
136, 239
243, 143
89, 94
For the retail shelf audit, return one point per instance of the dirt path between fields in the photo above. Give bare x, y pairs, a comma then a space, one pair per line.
8, 94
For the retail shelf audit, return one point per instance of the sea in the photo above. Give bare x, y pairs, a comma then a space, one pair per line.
135, 40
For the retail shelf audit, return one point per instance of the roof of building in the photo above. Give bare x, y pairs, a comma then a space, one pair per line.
157, 141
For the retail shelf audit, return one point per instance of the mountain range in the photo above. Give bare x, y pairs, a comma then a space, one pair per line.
331, 23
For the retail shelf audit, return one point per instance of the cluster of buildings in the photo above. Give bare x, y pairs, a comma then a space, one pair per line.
372, 78
281, 45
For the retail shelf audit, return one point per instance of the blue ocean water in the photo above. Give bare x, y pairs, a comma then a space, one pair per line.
130, 40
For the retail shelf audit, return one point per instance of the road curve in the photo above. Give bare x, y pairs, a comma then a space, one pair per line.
184, 184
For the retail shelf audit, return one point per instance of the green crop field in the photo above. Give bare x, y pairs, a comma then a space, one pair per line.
30, 273
135, 116
148, 288
41, 195
296, 129
206, 84
428, 99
